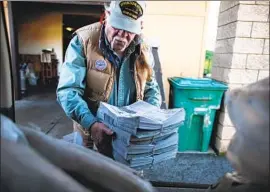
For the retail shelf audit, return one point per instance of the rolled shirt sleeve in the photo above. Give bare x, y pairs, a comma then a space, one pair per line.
70, 89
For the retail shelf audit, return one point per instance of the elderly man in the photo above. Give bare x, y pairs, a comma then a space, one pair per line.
107, 62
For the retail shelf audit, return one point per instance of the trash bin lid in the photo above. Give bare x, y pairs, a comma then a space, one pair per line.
197, 83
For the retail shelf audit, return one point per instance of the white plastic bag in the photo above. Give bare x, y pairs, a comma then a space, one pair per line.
32, 79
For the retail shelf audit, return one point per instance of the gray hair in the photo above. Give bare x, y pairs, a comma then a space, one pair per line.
107, 5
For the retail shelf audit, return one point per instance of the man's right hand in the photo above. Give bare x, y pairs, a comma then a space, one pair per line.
99, 132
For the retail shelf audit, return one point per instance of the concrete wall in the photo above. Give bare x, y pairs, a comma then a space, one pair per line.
241, 54
180, 29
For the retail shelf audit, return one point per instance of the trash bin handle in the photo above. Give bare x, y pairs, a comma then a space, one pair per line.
200, 111
201, 98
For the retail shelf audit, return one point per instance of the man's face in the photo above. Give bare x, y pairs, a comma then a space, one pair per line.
118, 39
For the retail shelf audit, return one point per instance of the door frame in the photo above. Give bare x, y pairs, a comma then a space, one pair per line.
8, 111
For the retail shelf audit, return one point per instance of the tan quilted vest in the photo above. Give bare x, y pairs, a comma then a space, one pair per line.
99, 83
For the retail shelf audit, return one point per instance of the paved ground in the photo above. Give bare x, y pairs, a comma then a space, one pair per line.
41, 111
189, 168
166, 189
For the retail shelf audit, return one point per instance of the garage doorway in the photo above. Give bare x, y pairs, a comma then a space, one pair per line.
73, 22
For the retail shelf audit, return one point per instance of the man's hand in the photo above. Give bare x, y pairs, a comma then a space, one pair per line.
102, 137
99, 132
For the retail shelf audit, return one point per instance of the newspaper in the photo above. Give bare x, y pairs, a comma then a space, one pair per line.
145, 134
140, 115
146, 161
142, 136
151, 149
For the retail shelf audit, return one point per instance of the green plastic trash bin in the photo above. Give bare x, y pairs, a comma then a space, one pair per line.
200, 97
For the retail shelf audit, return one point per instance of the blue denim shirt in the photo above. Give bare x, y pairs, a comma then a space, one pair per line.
72, 82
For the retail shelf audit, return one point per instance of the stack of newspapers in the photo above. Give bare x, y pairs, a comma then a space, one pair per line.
145, 134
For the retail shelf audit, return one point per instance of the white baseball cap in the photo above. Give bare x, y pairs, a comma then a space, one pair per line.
126, 15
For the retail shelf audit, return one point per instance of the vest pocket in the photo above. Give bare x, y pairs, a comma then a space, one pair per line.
97, 81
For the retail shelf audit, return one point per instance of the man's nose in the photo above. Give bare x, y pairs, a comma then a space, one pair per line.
122, 33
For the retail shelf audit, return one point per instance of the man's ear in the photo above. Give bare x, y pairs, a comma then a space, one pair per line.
102, 18
142, 25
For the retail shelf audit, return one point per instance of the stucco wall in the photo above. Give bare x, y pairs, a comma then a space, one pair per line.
40, 28
41, 32
180, 29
